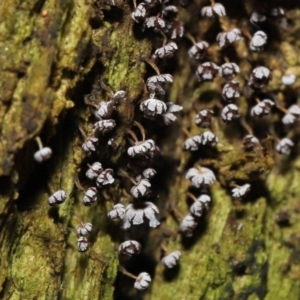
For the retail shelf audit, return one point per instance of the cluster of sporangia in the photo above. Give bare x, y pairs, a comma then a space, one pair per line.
143, 151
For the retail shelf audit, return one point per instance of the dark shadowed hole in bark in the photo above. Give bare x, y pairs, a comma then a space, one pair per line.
38, 6
189, 242
114, 14
124, 285
171, 274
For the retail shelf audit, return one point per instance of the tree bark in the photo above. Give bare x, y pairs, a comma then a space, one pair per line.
52, 54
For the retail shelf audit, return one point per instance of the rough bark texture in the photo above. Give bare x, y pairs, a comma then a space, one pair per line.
52, 53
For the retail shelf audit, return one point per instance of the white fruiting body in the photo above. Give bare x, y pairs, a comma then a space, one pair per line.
262, 108
279, 16
158, 79
259, 77
292, 115
174, 29
137, 215
170, 12
169, 117
200, 177
104, 126
118, 212
288, 79
90, 145
154, 83
104, 110
58, 197
203, 118
288, 119
90, 196
153, 107
229, 70
139, 14
199, 50
171, 107
141, 189
142, 281
231, 91
197, 209
130, 248
147, 173
94, 170
294, 110
212, 11
250, 141
188, 225
112, 143
229, 113
118, 97
201, 205
240, 191
205, 199
142, 148
82, 244
84, 229
258, 41
277, 12
106, 177
155, 23
172, 259
285, 146
192, 143
207, 71
42, 154
257, 17
165, 51
226, 38
152, 2
208, 138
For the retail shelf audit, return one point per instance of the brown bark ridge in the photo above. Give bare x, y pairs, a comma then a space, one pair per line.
53, 53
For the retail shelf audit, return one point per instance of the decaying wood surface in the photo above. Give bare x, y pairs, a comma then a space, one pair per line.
52, 54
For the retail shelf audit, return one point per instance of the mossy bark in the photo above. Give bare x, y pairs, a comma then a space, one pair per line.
52, 53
